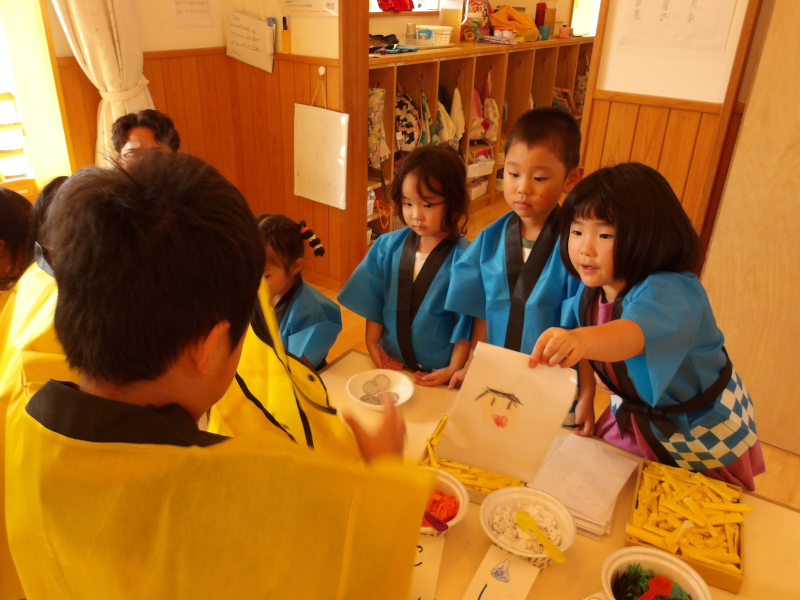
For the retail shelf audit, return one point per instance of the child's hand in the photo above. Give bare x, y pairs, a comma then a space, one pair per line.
556, 345
382, 359
388, 439
435, 377
584, 418
458, 378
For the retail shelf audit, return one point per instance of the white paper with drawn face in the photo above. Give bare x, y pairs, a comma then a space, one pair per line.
506, 415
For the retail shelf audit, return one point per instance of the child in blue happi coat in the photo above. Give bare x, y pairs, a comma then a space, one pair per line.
309, 321
646, 325
511, 278
401, 285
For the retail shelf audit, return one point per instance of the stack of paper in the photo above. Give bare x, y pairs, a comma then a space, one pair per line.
587, 477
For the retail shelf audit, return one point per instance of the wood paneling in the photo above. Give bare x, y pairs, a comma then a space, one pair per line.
238, 118
674, 136
752, 258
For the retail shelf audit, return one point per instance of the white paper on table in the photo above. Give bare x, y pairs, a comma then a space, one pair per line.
507, 414
501, 576
427, 562
586, 477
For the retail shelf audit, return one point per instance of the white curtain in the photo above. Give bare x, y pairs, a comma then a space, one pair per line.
106, 40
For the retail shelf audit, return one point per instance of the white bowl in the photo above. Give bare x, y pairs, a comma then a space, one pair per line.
399, 383
451, 486
522, 496
662, 563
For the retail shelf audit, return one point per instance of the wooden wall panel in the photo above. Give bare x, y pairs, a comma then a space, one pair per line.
238, 118
674, 136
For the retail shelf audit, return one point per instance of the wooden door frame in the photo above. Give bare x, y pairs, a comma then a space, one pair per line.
353, 85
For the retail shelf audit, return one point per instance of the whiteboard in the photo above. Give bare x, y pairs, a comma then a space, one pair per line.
320, 155
250, 40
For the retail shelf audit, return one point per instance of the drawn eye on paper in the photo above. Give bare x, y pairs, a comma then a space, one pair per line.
501, 572
499, 409
419, 549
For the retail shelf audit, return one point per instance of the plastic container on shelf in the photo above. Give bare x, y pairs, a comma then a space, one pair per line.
440, 34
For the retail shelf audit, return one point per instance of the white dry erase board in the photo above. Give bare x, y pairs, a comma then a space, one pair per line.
250, 40
320, 155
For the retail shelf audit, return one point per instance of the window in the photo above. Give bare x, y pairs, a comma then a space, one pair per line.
13, 164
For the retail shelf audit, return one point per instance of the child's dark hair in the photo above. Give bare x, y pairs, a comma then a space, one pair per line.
16, 229
162, 126
549, 127
286, 238
40, 208
653, 232
442, 171
148, 261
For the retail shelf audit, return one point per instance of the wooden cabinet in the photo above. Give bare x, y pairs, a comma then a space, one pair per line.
520, 75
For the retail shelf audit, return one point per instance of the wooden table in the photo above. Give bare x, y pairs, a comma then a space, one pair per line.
772, 546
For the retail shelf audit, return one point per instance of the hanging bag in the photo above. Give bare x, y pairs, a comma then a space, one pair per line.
490, 111
477, 124
457, 116
377, 148
406, 121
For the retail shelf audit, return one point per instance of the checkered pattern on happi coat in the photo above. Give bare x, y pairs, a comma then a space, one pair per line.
723, 443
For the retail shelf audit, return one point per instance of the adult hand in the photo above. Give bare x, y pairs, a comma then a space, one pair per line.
556, 345
388, 439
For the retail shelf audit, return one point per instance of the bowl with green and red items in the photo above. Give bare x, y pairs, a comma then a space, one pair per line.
632, 572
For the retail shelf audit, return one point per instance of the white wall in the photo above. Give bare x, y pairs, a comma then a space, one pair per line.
666, 72
311, 36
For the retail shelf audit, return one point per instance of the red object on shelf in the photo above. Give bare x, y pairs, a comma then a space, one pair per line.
541, 7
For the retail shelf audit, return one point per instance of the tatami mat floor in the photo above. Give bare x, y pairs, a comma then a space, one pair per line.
781, 482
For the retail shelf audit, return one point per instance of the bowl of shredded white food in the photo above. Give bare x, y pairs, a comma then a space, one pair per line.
499, 522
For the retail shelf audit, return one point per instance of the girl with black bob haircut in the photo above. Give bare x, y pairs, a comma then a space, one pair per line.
653, 232
646, 326
309, 321
441, 170
401, 285
16, 237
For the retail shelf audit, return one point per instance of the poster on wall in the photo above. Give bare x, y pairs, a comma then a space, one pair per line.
684, 24
320, 155
250, 40
312, 8
191, 13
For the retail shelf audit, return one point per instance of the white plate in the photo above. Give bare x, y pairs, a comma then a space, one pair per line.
366, 387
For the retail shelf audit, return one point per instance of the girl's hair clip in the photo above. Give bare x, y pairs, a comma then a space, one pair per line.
313, 240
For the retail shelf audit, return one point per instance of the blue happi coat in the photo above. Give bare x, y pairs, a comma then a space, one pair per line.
480, 288
372, 292
683, 358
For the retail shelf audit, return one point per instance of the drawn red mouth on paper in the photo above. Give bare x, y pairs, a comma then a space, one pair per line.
500, 421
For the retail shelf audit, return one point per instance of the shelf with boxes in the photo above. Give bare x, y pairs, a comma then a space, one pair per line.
522, 76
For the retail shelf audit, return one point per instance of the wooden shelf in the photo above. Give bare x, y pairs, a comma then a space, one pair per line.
373, 216
373, 184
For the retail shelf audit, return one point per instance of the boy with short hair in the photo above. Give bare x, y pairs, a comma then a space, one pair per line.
511, 278
113, 491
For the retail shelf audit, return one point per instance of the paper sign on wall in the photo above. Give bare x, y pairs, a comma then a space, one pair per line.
688, 24
191, 13
309, 8
250, 40
320, 154
507, 414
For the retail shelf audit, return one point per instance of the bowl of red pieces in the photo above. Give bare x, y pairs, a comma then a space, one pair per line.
449, 501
